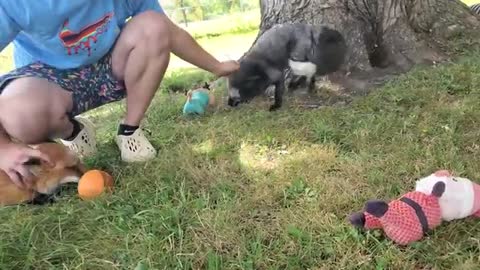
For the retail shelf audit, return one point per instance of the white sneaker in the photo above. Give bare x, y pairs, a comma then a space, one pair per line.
84, 145
135, 147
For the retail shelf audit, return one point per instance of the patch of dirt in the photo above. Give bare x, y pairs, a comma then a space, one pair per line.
340, 89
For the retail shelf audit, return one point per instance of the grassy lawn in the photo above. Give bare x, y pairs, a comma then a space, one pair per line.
250, 189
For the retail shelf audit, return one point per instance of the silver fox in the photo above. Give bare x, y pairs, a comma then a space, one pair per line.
304, 49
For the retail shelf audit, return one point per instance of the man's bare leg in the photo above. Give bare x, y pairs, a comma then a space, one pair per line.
140, 58
33, 110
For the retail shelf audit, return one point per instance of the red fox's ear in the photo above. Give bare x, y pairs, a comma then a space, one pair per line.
36, 162
376, 208
33, 162
34, 165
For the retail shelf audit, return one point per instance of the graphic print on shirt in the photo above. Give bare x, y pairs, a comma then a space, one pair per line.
83, 39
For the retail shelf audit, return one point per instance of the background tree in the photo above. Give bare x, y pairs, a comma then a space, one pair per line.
383, 34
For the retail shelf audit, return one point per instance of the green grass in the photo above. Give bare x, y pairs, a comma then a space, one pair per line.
470, 2
250, 189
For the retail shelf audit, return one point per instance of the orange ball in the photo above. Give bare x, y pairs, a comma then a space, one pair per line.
94, 183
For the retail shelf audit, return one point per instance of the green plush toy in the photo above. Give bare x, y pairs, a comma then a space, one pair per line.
197, 101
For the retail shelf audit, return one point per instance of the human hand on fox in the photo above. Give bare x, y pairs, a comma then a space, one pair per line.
226, 68
13, 157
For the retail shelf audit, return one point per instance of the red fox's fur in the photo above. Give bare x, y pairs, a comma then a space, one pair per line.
67, 168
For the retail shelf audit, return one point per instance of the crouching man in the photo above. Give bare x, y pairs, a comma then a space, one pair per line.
74, 56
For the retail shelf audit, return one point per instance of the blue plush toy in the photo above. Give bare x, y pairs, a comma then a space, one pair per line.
197, 101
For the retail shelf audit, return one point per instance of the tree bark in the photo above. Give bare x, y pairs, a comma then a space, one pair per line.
381, 34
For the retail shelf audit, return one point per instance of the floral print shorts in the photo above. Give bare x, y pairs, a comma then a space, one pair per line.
92, 86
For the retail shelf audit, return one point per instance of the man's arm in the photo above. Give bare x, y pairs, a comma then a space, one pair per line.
183, 44
185, 47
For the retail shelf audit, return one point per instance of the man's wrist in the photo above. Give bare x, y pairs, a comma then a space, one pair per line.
216, 68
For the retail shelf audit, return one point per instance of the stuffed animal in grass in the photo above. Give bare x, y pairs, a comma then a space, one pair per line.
461, 198
198, 100
404, 220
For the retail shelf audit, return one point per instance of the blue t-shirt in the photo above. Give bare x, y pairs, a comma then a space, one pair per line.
65, 33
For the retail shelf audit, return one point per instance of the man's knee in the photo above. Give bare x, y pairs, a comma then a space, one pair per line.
31, 107
148, 33
22, 125
153, 28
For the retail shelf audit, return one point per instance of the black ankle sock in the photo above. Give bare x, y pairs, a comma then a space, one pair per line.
126, 130
77, 127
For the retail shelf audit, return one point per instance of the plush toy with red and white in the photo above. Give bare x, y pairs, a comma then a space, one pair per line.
439, 196
461, 198
404, 220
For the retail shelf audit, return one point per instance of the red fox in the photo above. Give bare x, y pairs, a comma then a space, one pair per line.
67, 168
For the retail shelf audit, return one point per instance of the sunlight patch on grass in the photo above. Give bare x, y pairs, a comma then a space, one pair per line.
269, 157
257, 157
205, 147
470, 2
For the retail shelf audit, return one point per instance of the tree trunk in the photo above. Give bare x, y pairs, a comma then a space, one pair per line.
184, 12
381, 34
